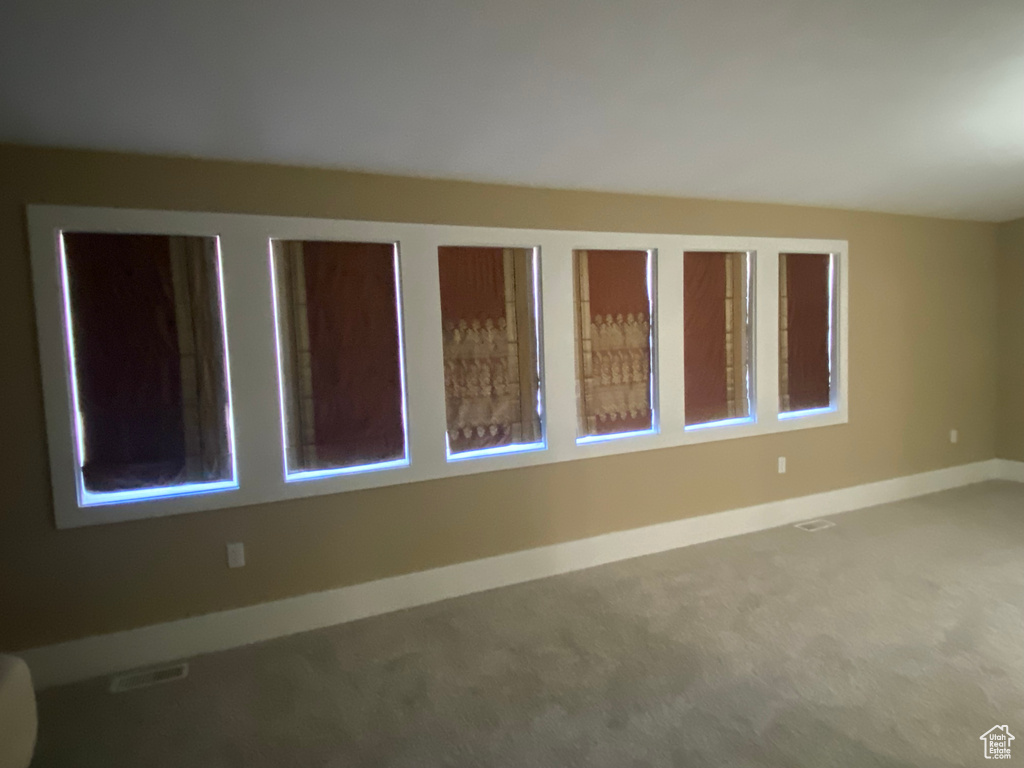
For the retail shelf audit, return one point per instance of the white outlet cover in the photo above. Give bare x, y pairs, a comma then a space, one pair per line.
953, 435
236, 554
782, 465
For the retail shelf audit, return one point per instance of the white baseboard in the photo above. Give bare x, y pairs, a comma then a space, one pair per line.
1008, 470
104, 654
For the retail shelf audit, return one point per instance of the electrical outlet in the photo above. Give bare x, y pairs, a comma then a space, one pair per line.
782, 465
953, 435
236, 554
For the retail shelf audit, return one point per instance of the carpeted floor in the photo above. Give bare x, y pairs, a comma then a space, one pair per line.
895, 638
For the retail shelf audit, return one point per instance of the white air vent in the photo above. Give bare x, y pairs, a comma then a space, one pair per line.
815, 525
148, 677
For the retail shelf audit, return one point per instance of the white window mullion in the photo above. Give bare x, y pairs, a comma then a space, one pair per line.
766, 333
426, 420
670, 365
841, 328
252, 362
558, 322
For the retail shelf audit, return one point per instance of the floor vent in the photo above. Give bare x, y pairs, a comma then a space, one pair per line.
148, 677
815, 525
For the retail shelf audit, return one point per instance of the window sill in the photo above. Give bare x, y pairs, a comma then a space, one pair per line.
317, 474
501, 450
592, 439
720, 424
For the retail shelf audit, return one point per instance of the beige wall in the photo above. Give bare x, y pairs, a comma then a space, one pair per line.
1010, 397
922, 343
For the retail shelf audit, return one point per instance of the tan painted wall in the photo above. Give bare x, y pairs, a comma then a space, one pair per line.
1010, 398
922, 343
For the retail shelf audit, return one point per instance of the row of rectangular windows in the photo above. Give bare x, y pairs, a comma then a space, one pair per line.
151, 387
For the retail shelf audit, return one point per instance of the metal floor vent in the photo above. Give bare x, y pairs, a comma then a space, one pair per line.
148, 677
815, 525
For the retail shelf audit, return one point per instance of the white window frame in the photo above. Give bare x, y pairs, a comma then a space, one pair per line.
538, 326
303, 475
834, 312
252, 336
750, 318
652, 304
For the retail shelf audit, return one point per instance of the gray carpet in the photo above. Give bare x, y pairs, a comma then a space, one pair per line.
894, 639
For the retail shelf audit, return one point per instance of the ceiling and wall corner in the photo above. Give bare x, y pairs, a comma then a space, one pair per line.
912, 107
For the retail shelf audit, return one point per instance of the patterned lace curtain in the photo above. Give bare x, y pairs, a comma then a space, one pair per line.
804, 354
613, 342
716, 336
491, 375
338, 326
149, 360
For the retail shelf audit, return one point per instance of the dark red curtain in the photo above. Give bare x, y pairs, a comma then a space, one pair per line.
472, 283
618, 289
127, 360
618, 283
704, 278
354, 352
807, 301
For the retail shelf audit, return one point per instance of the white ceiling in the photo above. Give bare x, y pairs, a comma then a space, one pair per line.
896, 105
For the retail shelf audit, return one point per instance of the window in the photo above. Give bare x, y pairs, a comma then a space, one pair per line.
489, 324
212, 360
151, 402
718, 338
806, 333
614, 308
339, 356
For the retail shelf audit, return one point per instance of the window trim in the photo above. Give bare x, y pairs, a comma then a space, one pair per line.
836, 314
651, 267
538, 324
87, 498
304, 475
251, 330
750, 318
